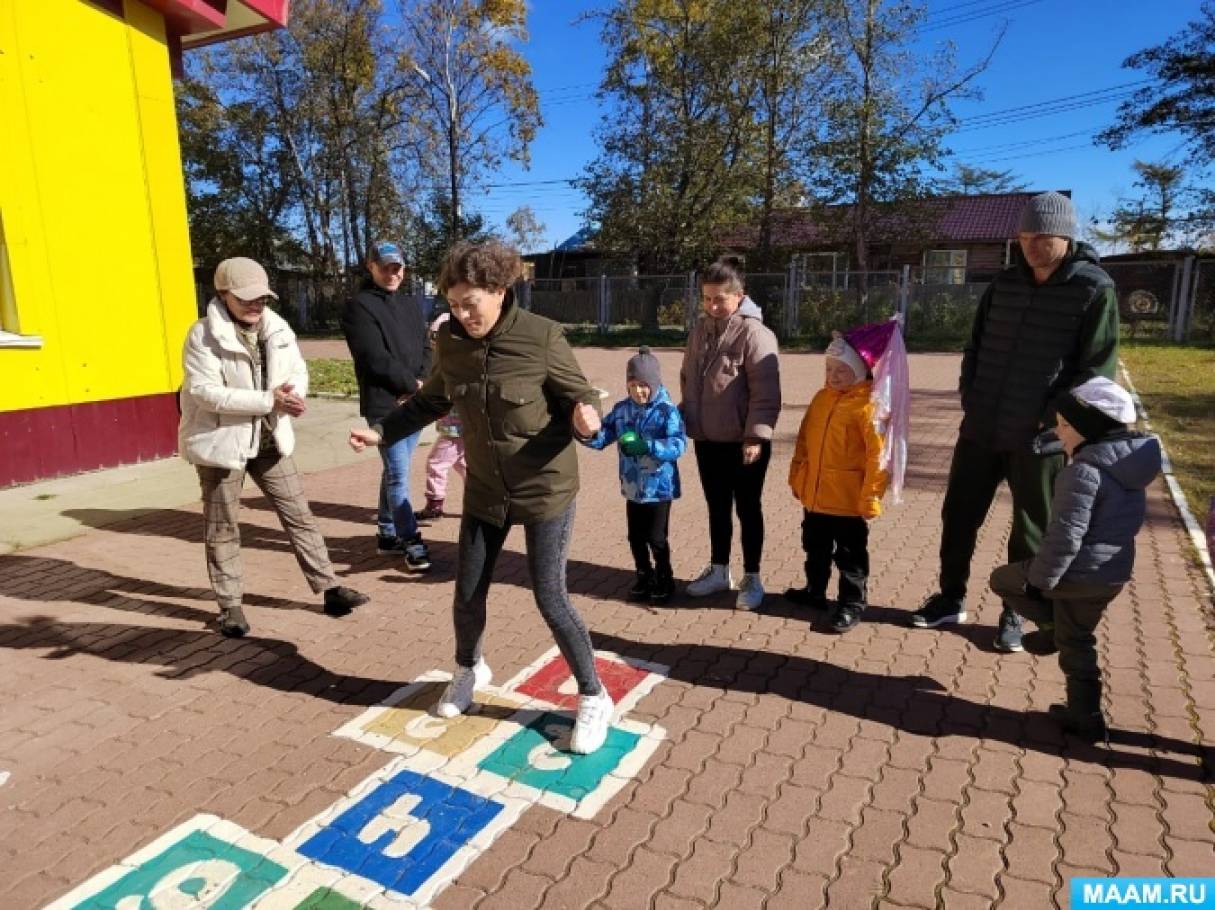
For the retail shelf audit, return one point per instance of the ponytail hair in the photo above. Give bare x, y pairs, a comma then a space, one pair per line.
726, 270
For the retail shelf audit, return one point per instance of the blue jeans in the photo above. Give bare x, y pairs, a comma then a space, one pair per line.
396, 513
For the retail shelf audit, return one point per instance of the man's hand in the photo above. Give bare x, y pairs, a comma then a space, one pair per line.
586, 420
287, 402
361, 439
750, 451
870, 509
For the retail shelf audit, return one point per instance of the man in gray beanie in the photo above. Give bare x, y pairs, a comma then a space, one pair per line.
1046, 324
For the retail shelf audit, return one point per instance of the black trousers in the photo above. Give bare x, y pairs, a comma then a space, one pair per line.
974, 476
731, 485
844, 540
648, 523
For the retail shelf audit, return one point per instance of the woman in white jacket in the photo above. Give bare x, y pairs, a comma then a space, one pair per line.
244, 380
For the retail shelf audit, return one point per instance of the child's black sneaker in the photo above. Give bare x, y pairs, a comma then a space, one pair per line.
938, 610
1089, 727
1008, 635
1041, 641
432, 512
417, 555
663, 590
643, 585
804, 598
846, 616
387, 544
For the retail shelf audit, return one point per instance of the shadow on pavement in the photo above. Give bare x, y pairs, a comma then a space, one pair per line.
914, 704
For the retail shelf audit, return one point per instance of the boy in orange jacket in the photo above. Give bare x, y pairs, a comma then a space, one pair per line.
842, 466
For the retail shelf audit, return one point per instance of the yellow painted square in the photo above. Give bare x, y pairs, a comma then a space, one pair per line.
410, 721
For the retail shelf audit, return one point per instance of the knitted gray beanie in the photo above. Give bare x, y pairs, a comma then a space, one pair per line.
1049, 213
644, 367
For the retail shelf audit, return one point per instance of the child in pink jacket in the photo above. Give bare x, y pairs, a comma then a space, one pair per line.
446, 453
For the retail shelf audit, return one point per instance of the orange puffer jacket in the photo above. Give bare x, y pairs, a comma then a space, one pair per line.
835, 465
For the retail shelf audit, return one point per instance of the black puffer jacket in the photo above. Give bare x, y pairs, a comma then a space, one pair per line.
1032, 342
390, 343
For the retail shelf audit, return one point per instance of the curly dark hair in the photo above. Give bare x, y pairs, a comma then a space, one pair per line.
491, 265
727, 270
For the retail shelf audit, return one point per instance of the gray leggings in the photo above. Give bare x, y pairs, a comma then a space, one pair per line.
548, 544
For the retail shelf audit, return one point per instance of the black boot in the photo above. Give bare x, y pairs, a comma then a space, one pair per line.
642, 586
232, 622
340, 601
1081, 716
663, 589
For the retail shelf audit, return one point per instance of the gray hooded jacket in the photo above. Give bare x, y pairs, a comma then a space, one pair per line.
1098, 508
730, 378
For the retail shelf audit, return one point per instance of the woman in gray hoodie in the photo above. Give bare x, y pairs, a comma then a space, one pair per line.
730, 384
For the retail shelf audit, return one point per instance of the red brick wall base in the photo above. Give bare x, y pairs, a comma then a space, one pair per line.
40, 443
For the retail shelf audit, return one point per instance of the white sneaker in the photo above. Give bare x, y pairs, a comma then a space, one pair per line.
458, 696
713, 578
591, 727
750, 592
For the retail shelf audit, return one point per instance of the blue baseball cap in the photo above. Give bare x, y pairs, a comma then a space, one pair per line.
385, 252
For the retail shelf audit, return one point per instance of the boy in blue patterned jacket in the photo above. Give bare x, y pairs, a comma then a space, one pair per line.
648, 430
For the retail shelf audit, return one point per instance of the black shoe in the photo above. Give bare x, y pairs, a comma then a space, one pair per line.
432, 512
663, 589
803, 598
1008, 635
1040, 642
340, 601
387, 544
643, 585
232, 622
1089, 727
417, 555
938, 610
846, 616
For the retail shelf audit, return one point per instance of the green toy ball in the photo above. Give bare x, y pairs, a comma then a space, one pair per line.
628, 438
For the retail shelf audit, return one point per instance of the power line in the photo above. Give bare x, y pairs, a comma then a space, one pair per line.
1006, 6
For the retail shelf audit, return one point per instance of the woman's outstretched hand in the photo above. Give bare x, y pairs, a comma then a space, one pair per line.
586, 420
361, 439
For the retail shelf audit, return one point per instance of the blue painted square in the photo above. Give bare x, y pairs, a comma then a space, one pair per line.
212, 872
529, 758
402, 832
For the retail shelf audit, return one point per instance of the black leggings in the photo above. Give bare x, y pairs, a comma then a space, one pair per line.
730, 484
648, 523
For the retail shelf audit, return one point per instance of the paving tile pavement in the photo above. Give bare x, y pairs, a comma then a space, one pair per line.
888, 767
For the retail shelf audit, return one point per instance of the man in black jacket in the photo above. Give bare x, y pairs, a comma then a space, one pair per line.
1045, 325
388, 339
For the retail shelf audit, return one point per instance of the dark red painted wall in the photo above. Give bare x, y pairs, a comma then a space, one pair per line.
50, 442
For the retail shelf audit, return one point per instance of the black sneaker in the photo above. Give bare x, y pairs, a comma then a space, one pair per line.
846, 616
1041, 641
432, 512
663, 590
232, 622
340, 601
1088, 727
938, 610
642, 587
417, 555
387, 544
1008, 635
803, 598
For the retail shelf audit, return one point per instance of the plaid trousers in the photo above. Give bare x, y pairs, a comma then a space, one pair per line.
277, 477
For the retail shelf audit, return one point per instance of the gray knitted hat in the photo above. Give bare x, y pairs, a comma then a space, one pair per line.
1049, 213
644, 367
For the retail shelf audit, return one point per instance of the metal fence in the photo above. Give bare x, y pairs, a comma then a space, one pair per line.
1171, 299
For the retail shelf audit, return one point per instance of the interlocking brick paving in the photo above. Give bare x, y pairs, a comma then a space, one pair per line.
887, 767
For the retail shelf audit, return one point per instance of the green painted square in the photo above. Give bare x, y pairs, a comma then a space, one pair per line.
246, 875
324, 899
527, 757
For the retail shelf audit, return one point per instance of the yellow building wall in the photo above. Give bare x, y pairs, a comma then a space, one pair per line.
92, 204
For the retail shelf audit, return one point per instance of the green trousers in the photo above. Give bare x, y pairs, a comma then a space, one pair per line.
974, 476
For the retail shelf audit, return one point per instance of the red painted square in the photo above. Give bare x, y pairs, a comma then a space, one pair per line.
546, 683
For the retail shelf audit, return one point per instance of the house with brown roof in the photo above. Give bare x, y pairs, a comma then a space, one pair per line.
945, 239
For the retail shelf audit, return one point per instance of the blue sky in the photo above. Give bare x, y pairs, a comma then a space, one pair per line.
1052, 49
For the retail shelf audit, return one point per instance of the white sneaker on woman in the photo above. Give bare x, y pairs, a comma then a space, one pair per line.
458, 696
750, 592
713, 578
591, 726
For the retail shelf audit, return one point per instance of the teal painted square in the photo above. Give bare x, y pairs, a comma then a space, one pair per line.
577, 778
254, 876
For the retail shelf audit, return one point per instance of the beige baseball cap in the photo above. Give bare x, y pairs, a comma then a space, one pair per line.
243, 277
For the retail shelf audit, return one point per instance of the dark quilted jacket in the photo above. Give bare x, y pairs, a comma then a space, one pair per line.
1031, 343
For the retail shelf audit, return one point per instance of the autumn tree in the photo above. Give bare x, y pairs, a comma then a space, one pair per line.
525, 231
